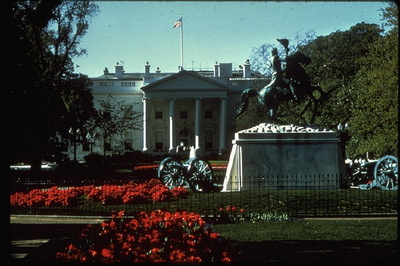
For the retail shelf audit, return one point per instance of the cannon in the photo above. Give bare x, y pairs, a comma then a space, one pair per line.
382, 173
195, 173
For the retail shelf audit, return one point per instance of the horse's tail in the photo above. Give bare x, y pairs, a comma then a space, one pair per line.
244, 101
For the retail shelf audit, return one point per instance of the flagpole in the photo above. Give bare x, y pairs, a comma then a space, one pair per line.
181, 43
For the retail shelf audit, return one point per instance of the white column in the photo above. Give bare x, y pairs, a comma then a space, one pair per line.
197, 124
171, 125
144, 100
222, 125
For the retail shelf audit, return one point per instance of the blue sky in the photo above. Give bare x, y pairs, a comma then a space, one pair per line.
133, 33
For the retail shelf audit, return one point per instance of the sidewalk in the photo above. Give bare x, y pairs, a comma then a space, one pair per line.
65, 219
56, 219
39, 242
35, 238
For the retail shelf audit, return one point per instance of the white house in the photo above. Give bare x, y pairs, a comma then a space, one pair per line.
183, 109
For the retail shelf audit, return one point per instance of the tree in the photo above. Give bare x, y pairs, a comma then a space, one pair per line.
111, 121
45, 36
334, 66
374, 120
77, 100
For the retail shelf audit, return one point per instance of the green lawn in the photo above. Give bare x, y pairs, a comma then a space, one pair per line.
348, 240
311, 230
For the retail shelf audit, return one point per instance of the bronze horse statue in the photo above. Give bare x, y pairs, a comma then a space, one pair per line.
272, 96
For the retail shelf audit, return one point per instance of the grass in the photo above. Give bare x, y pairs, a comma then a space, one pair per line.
312, 230
313, 240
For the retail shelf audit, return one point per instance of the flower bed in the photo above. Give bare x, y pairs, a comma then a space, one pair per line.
130, 193
146, 167
158, 236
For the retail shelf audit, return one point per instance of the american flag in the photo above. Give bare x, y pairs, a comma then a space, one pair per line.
178, 23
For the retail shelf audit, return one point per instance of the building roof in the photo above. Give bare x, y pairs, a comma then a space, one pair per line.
186, 84
132, 76
160, 75
192, 74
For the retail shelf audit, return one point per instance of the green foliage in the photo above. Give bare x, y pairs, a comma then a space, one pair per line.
375, 113
304, 230
77, 97
44, 37
333, 67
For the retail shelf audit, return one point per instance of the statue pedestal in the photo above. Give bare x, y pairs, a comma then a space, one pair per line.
271, 156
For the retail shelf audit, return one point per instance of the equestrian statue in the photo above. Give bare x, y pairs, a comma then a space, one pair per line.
294, 86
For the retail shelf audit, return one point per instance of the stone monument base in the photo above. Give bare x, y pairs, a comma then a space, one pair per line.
270, 156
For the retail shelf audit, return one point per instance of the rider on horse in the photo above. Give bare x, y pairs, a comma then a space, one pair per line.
277, 75
282, 89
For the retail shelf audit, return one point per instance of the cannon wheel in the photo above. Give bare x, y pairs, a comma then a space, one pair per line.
385, 173
358, 170
170, 172
200, 175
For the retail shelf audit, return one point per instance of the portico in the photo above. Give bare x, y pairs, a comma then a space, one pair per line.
185, 110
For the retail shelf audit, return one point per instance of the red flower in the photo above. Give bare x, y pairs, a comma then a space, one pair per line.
214, 235
131, 193
107, 253
93, 252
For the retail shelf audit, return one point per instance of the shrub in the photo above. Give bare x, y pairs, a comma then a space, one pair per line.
158, 236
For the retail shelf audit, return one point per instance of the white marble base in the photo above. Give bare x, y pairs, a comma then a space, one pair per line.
284, 157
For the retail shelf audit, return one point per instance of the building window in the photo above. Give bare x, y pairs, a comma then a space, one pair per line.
158, 111
159, 135
127, 84
208, 113
183, 112
184, 138
208, 137
106, 84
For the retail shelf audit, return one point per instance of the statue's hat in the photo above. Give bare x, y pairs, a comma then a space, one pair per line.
284, 42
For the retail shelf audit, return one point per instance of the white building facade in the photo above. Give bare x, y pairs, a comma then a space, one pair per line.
179, 110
